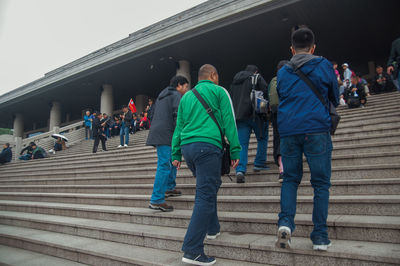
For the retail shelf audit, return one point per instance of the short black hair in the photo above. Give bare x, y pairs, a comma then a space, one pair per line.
302, 39
7, 144
124, 106
178, 80
251, 68
104, 114
32, 143
333, 63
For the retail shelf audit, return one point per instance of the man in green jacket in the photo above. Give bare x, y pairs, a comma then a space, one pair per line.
197, 137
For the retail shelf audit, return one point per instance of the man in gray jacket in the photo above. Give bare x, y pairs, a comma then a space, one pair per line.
160, 136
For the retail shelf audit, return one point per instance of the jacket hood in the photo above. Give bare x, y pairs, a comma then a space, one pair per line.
241, 77
299, 60
166, 92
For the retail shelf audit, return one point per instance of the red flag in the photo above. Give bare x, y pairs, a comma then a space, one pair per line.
132, 106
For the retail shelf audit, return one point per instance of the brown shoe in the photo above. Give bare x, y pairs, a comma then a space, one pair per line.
173, 193
163, 207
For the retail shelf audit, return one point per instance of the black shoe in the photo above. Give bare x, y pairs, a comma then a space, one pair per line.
280, 177
162, 207
240, 178
200, 259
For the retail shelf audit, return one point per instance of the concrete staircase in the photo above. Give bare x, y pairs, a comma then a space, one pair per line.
78, 207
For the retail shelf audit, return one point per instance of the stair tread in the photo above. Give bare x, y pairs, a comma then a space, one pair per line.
105, 249
22, 257
340, 248
264, 217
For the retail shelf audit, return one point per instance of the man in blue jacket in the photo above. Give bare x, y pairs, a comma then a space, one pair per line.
6, 154
304, 125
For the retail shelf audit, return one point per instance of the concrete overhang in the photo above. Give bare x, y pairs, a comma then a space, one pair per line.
195, 21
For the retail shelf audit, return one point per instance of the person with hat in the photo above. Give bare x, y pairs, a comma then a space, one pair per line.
346, 75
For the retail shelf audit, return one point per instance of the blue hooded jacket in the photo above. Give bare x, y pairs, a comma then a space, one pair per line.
300, 111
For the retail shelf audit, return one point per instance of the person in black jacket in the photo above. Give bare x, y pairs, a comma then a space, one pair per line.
126, 119
247, 121
160, 136
382, 82
6, 154
98, 132
28, 154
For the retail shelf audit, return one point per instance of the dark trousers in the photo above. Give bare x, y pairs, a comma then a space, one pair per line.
277, 140
204, 160
97, 139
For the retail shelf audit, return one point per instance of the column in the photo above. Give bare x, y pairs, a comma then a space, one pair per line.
55, 115
18, 133
107, 100
371, 69
184, 70
141, 102
18, 125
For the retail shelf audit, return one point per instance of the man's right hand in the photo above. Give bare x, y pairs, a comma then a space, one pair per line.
234, 163
390, 69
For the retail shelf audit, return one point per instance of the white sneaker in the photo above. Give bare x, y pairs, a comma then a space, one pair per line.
322, 246
126, 145
211, 237
119, 146
284, 234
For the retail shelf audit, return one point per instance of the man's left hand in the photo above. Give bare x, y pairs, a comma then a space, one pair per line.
177, 164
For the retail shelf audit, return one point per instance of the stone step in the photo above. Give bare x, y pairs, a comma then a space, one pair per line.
93, 251
384, 143
339, 158
245, 247
388, 186
145, 150
356, 205
23, 257
185, 177
343, 227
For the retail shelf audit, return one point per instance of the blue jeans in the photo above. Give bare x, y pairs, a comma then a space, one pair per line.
260, 128
25, 157
165, 175
124, 131
204, 160
318, 151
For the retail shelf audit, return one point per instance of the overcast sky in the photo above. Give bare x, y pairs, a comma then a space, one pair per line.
37, 36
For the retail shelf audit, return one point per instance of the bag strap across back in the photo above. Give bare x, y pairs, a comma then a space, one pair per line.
210, 113
310, 84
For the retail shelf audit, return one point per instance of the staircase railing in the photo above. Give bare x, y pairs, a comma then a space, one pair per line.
74, 132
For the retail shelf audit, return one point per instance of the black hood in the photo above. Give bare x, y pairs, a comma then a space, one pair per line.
241, 77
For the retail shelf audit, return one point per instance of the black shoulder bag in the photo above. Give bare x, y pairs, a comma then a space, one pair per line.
335, 117
226, 158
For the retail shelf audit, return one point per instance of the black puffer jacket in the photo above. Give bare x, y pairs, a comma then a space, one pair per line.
164, 117
240, 91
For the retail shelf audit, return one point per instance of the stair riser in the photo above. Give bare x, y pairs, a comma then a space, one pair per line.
235, 253
150, 163
354, 207
151, 160
268, 227
376, 189
175, 244
267, 175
